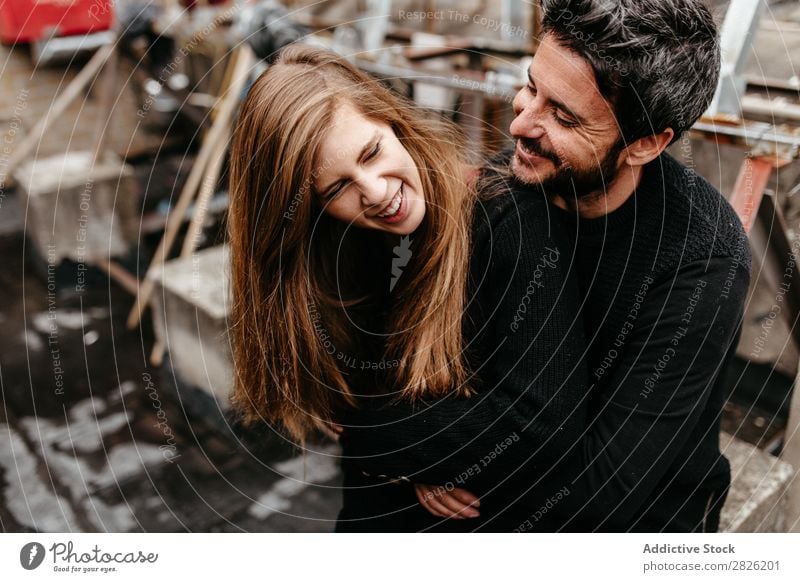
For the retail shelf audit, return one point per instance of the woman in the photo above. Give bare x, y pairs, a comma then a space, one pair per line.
367, 273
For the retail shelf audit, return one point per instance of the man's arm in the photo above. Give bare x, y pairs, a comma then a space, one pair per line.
664, 379
662, 385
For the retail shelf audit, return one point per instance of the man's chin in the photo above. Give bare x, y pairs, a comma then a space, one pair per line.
525, 173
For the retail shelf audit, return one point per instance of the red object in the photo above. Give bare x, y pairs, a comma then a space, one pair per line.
749, 189
32, 20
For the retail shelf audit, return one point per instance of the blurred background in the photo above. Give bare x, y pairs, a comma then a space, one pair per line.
114, 361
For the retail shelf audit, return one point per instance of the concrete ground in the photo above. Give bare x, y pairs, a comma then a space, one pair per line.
94, 440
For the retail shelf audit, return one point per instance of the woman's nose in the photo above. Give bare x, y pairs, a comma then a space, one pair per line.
373, 189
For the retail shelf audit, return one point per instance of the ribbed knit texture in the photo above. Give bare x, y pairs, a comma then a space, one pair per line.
617, 434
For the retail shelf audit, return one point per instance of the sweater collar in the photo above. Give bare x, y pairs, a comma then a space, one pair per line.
623, 219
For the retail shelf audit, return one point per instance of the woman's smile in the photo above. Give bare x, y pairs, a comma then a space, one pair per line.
396, 210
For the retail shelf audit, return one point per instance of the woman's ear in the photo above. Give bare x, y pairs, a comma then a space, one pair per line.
645, 149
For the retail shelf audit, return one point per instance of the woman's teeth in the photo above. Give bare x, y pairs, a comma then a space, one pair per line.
395, 206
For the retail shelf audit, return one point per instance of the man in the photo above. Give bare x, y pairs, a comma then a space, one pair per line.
663, 268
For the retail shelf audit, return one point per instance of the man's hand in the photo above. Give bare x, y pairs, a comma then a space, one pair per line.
455, 503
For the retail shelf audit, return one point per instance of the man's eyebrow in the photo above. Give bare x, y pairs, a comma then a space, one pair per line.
361, 155
559, 104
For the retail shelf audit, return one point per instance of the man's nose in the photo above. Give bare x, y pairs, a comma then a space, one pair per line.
527, 122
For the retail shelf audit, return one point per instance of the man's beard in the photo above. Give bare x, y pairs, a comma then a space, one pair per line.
571, 183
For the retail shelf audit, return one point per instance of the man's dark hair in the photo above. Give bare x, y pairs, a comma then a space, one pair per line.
656, 61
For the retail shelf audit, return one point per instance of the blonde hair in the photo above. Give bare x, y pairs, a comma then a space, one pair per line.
281, 274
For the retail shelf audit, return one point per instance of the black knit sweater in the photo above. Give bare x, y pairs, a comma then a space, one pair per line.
617, 434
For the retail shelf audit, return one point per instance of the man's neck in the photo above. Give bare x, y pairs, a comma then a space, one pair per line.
600, 203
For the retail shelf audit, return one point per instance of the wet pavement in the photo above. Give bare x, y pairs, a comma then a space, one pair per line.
94, 439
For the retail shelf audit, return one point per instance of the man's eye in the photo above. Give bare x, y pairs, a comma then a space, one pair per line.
565, 122
532, 89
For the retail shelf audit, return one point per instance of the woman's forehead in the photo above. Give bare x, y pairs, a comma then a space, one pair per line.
347, 135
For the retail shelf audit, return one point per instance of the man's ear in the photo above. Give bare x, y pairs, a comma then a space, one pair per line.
646, 149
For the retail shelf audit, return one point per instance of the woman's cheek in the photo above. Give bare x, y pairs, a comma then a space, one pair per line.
332, 210
344, 211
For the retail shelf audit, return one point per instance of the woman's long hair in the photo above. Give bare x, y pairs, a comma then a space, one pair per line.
287, 296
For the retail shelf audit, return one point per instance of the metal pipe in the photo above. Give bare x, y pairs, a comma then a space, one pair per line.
760, 134
466, 81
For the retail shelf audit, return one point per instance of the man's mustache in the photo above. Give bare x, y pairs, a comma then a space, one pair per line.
533, 145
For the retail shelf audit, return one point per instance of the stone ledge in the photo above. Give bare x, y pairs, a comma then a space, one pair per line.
77, 207
190, 304
756, 498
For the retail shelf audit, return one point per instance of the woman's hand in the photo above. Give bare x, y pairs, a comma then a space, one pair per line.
456, 503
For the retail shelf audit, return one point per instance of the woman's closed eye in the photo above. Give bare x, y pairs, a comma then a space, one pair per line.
374, 152
335, 191
337, 188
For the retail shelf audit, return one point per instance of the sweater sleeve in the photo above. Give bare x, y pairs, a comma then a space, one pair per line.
531, 407
683, 337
